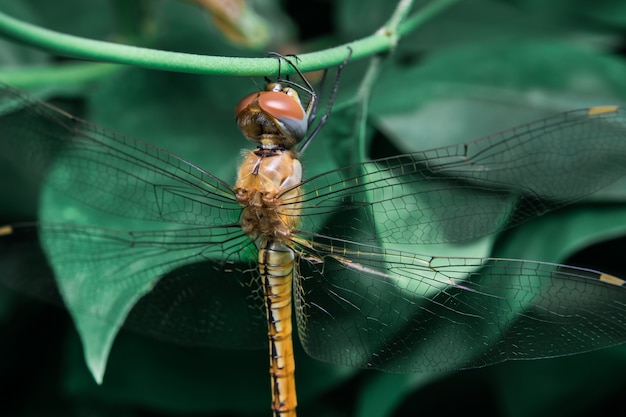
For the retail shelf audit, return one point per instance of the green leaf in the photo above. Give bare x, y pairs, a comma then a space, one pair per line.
557, 236
461, 94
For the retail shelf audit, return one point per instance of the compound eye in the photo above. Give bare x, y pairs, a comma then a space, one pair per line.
287, 111
245, 102
281, 106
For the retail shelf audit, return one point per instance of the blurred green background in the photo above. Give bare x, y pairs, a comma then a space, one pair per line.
480, 67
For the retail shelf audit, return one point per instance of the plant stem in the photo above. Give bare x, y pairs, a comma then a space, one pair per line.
66, 74
364, 94
425, 14
94, 50
371, 76
399, 14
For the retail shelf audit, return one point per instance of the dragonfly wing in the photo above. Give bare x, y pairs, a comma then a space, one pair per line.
164, 283
366, 306
42, 146
471, 190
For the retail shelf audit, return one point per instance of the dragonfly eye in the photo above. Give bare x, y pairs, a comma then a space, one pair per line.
277, 112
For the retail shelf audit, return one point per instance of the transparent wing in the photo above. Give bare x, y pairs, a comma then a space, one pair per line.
196, 282
358, 304
105, 170
369, 307
471, 190
183, 294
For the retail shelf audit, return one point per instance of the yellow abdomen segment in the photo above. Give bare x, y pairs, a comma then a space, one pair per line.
276, 266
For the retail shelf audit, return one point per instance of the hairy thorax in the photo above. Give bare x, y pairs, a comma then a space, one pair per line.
267, 189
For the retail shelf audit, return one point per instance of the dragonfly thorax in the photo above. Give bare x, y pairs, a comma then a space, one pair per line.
268, 190
273, 118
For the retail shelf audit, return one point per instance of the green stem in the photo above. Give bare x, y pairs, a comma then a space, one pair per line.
66, 74
399, 14
94, 50
394, 27
371, 76
364, 94
425, 14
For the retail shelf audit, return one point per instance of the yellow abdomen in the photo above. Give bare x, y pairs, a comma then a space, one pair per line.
276, 268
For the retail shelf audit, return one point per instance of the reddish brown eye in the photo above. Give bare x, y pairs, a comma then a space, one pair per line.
245, 102
281, 106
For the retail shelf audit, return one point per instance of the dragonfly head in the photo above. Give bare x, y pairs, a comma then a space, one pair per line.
273, 118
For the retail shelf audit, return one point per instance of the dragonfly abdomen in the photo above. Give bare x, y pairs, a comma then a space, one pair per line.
276, 266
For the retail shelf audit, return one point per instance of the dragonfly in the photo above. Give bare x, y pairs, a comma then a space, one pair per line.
337, 253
